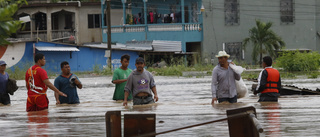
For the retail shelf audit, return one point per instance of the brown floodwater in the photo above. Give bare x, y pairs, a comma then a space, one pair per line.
182, 101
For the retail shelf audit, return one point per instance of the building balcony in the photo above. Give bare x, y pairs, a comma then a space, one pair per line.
186, 32
62, 36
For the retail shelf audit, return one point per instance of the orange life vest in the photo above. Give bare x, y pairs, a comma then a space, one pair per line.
272, 81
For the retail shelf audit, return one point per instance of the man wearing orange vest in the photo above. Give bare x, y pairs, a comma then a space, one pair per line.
269, 82
37, 83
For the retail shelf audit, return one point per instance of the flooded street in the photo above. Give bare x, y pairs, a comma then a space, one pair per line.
182, 101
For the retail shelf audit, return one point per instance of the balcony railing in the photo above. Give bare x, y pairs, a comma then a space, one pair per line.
57, 35
62, 34
152, 28
40, 35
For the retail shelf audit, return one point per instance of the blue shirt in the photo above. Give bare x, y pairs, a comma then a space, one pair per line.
63, 84
3, 82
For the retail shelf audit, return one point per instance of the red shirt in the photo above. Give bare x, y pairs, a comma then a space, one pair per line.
39, 76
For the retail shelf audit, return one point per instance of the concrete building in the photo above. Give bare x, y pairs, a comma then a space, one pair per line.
229, 21
71, 22
63, 31
171, 27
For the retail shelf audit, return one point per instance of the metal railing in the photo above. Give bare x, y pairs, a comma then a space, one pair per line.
154, 27
62, 34
40, 35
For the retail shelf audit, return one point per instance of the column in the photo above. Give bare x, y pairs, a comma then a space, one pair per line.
124, 11
49, 29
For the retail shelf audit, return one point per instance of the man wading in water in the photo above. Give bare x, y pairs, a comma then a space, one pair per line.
224, 78
120, 76
140, 83
37, 83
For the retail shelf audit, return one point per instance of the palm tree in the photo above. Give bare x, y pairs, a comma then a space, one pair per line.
264, 40
8, 25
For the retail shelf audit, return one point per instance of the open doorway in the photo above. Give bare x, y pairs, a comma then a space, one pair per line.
194, 52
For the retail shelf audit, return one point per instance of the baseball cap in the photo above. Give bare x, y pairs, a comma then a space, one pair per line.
2, 62
139, 59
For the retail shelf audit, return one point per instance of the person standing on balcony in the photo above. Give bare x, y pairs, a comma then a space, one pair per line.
140, 83
224, 78
4, 76
37, 83
120, 77
68, 84
269, 82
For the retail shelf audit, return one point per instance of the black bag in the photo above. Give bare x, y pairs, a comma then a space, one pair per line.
11, 86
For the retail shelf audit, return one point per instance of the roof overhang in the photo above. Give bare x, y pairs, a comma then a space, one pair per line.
57, 49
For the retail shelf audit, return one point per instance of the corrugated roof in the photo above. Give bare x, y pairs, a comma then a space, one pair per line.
97, 45
166, 46
155, 46
57, 49
139, 45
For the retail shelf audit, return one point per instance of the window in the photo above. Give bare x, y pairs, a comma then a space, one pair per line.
286, 11
94, 20
234, 50
41, 21
231, 12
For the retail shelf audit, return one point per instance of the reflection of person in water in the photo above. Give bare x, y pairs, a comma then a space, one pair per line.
38, 123
272, 116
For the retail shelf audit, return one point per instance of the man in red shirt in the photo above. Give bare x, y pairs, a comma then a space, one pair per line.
37, 83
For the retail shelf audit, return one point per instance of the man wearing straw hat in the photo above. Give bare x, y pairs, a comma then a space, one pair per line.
224, 78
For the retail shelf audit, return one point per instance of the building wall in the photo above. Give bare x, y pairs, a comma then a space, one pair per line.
116, 58
301, 34
79, 18
87, 59
160, 7
88, 34
317, 17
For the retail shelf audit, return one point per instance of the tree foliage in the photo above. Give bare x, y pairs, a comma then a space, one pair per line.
264, 41
8, 25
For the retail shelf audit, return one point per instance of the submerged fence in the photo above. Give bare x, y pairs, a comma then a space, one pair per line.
242, 122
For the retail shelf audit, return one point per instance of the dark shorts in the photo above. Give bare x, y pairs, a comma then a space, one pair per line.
5, 99
269, 97
230, 100
143, 100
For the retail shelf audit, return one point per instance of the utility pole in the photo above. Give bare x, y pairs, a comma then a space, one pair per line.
109, 32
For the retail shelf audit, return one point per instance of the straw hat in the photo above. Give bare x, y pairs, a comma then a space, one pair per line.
222, 54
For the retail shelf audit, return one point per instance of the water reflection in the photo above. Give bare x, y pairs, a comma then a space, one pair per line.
146, 107
226, 105
272, 116
38, 123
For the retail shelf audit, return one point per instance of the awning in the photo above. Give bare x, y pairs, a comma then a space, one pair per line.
57, 49
139, 45
166, 46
